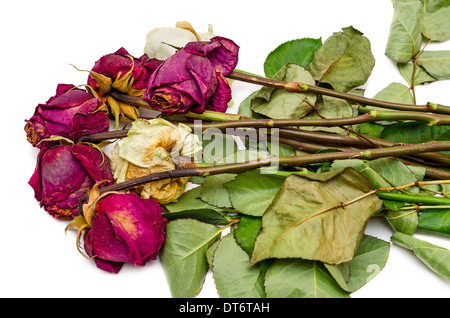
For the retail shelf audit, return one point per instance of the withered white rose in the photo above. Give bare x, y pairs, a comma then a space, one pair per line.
162, 42
150, 147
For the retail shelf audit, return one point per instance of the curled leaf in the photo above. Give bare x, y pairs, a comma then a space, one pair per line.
435, 257
317, 217
344, 61
405, 35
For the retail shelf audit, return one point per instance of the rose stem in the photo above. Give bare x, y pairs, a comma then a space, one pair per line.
334, 139
290, 161
231, 120
285, 133
413, 198
307, 147
301, 87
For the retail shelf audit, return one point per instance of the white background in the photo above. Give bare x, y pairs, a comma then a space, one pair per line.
39, 41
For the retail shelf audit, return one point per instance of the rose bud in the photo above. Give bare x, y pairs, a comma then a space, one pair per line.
120, 228
71, 113
193, 79
151, 147
125, 73
64, 173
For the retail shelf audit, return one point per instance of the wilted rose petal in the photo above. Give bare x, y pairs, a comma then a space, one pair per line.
64, 173
124, 229
124, 73
222, 52
71, 113
151, 147
193, 78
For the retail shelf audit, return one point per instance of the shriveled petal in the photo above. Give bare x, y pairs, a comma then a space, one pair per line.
95, 163
89, 119
225, 57
222, 52
219, 101
71, 113
103, 242
127, 73
36, 131
145, 136
205, 76
61, 174
170, 100
173, 70
136, 222
64, 173
62, 99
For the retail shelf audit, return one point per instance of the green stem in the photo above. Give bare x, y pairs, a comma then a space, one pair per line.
214, 116
425, 207
302, 87
321, 138
413, 198
413, 79
225, 120
289, 161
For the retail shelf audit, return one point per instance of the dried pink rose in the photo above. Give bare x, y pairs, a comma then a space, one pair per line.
71, 113
125, 73
64, 173
193, 79
123, 228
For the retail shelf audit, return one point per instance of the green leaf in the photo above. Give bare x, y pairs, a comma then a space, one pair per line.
330, 107
197, 179
214, 192
190, 200
436, 20
435, 220
396, 93
252, 191
421, 76
245, 107
202, 215
435, 257
246, 232
216, 145
344, 61
371, 129
232, 275
307, 218
374, 177
300, 52
369, 259
404, 221
436, 63
395, 172
405, 34
298, 278
210, 253
183, 255
388, 172
415, 132
280, 103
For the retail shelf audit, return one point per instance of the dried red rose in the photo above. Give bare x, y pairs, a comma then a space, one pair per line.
125, 73
64, 173
121, 228
193, 79
71, 113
